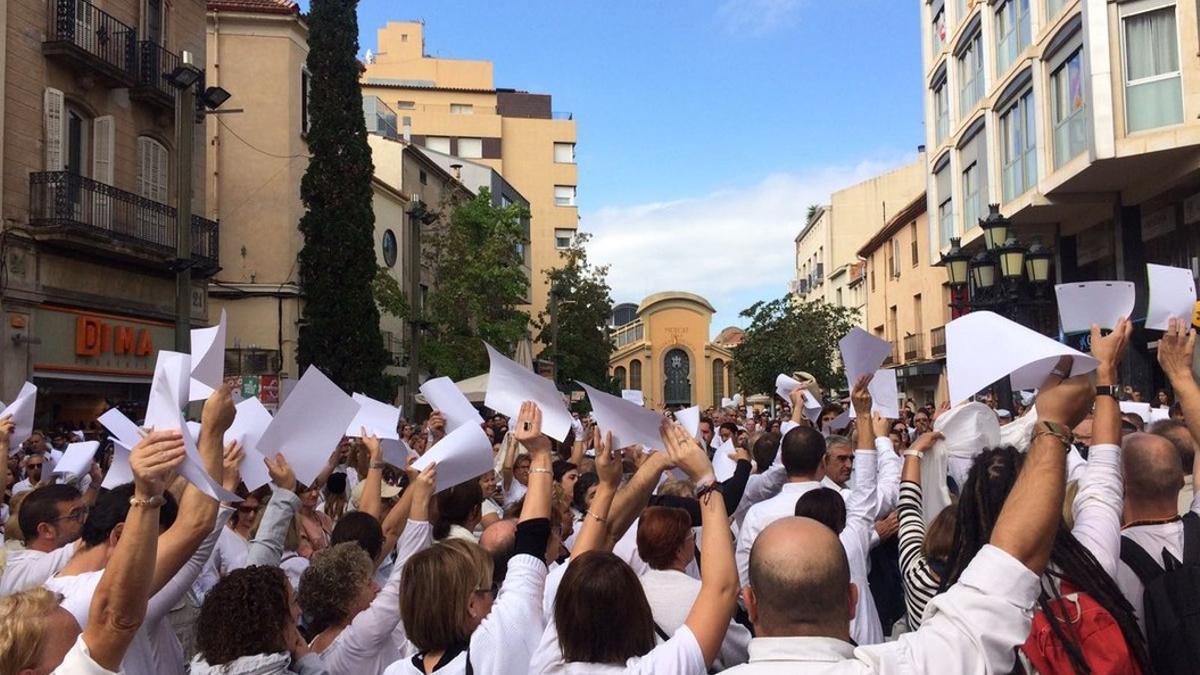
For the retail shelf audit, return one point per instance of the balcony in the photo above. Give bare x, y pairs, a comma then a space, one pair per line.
937, 342
914, 347
893, 356
154, 64
81, 214
81, 35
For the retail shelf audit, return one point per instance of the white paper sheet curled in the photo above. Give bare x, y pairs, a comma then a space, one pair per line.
380, 419
634, 396
121, 427
1081, 304
689, 419
629, 423
208, 360
723, 464
445, 397
511, 384
168, 391
396, 452
862, 353
462, 455
251, 420
885, 394
785, 385
1172, 295
309, 426
119, 472
21, 409
77, 459
983, 347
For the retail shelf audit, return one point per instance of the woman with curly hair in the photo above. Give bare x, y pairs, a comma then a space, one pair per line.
247, 624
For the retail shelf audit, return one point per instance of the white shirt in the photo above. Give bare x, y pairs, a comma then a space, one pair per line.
78, 661
1153, 539
671, 594
515, 492
972, 629
28, 569
861, 509
228, 555
782, 505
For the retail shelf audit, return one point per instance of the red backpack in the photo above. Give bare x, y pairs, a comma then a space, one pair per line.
1097, 633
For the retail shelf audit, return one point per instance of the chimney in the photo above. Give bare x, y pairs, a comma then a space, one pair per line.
407, 129
457, 171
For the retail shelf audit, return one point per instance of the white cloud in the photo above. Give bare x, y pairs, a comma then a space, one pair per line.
758, 17
733, 246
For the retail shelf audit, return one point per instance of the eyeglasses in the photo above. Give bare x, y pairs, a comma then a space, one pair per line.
78, 514
248, 509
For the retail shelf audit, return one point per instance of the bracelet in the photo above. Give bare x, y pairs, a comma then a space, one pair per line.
912, 453
541, 470
703, 492
598, 518
151, 502
378, 465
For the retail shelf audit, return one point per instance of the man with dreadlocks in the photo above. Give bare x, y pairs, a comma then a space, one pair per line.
1083, 622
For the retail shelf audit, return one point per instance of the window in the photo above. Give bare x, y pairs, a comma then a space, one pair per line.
78, 141
406, 105
1019, 139
438, 144
917, 326
1012, 32
564, 153
564, 195
635, 374
619, 376
960, 10
423, 177
470, 148
894, 255
1153, 92
972, 202
873, 259
305, 93
912, 233
970, 75
390, 249
718, 379
945, 202
941, 104
839, 298
1053, 7
563, 237
152, 170
939, 31
1067, 108
462, 109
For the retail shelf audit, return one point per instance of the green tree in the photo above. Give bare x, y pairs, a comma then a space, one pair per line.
340, 329
812, 212
784, 336
477, 259
583, 304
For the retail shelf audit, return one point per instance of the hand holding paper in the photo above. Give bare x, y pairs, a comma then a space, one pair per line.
510, 385
21, 410
445, 397
1093, 302
251, 420
378, 418
1172, 295
310, 424
464, 454
862, 354
208, 360
628, 422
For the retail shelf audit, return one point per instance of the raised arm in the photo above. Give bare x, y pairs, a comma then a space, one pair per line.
1030, 517
709, 617
266, 548
119, 604
372, 501
595, 535
1176, 351
633, 498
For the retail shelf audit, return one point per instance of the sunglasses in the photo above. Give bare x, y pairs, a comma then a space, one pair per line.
79, 515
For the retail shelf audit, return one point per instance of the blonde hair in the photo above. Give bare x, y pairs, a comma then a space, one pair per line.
680, 487
12, 527
436, 589
22, 626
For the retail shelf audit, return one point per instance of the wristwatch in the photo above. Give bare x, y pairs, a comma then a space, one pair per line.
1108, 390
1048, 428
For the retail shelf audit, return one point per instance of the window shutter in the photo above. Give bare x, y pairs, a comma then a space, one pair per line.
54, 106
161, 189
143, 167
103, 143
152, 170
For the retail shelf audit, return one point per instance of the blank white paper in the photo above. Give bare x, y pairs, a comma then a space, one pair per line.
689, 419
634, 396
1142, 410
208, 360
380, 419
723, 465
462, 455
309, 425
445, 397
21, 409
510, 384
119, 472
1094, 302
785, 385
249, 423
1172, 295
629, 423
862, 353
77, 459
885, 395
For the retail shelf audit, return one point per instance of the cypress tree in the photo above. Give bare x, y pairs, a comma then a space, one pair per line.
340, 328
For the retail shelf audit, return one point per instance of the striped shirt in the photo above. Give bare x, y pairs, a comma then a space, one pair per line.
920, 581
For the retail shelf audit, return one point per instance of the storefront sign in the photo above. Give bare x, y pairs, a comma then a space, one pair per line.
251, 384
269, 390
94, 342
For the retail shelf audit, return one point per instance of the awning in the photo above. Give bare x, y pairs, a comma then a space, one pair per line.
474, 388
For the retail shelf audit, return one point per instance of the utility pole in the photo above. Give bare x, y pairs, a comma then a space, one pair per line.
185, 138
553, 307
416, 307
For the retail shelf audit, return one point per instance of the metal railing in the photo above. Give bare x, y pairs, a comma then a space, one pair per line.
82, 25
937, 341
893, 356
60, 198
914, 347
154, 64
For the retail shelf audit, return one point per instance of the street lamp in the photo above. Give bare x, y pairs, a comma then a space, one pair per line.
957, 264
1037, 262
995, 228
1012, 259
983, 269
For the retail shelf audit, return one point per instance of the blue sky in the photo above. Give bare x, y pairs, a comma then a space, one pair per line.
706, 127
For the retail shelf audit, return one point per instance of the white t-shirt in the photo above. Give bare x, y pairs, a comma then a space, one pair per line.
681, 655
229, 554
28, 569
1153, 539
79, 661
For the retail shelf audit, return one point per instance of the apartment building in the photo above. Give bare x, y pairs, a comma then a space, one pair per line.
89, 196
827, 247
907, 301
453, 107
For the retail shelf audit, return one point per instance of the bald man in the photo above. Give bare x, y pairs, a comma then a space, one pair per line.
801, 600
1176, 431
1153, 478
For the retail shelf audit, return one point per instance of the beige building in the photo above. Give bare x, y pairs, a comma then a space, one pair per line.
661, 347
88, 198
257, 50
907, 301
1081, 118
827, 246
453, 107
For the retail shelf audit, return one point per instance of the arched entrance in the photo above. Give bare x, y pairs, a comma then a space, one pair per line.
677, 383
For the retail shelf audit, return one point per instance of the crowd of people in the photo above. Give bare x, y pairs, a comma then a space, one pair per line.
1072, 547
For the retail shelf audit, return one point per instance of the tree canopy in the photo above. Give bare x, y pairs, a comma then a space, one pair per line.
583, 302
785, 336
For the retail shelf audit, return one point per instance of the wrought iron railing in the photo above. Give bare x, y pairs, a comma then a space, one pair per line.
914, 347
154, 64
60, 198
84, 26
893, 356
937, 341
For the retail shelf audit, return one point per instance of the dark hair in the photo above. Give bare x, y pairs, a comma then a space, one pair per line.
825, 506
661, 531
992, 476
110, 509
591, 627
562, 468
456, 506
41, 506
336, 484
1176, 431
764, 450
246, 613
361, 528
730, 427
706, 420
939, 538
585, 482
803, 451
